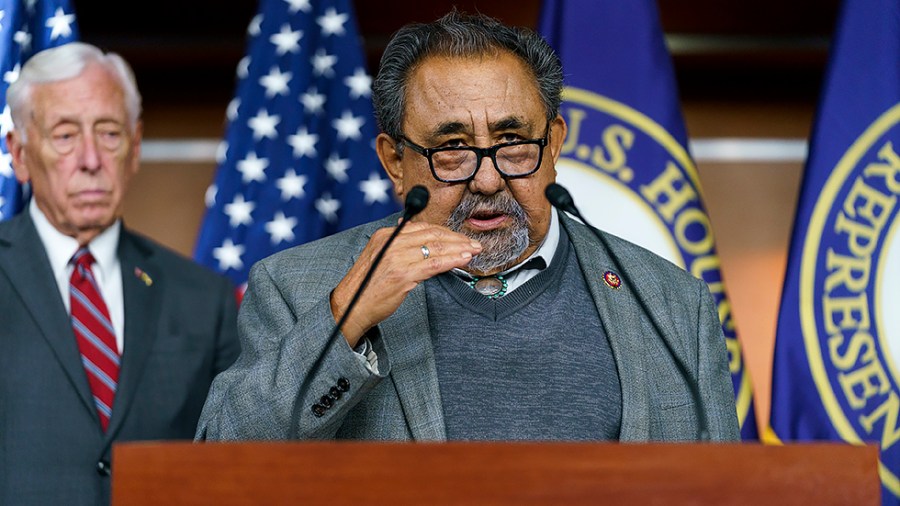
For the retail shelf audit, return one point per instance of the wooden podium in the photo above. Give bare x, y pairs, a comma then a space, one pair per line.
368, 474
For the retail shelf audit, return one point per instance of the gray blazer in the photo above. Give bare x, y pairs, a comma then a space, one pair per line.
179, 333
285, 318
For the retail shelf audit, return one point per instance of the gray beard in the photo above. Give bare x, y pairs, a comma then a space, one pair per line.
500, 248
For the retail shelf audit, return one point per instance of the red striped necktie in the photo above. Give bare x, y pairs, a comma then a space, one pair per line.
95, 335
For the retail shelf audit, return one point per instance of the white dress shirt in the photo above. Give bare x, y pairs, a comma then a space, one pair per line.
107, 270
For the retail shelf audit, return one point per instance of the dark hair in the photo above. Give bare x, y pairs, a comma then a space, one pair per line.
459, 35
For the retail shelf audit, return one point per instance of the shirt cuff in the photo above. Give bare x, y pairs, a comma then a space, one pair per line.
366, 353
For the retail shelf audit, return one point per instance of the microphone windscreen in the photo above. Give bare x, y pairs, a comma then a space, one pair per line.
559, 197
416, 200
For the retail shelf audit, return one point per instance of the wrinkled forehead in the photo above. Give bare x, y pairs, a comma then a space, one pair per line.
457, 93
94, 95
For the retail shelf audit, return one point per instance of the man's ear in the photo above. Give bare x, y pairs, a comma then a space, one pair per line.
16, 149
386, 147
558, 129
136, 139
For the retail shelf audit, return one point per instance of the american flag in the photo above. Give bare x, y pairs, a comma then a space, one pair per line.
26, 27
298, 159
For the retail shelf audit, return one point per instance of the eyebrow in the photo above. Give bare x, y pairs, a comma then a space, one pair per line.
456, 127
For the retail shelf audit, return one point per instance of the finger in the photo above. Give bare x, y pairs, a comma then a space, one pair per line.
434, 234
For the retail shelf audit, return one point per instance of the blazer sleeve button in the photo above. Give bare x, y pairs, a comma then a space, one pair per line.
103, 468
318, 410
343, 384
326, 401
335, 393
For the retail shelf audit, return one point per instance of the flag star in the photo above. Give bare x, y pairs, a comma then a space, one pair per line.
221, 152
287, 40
313, 101
229, 255
6, 169
239, 210
328, 207
348, 126
231, 112
264, 125
253, 168
360, 84
243, 67
281, 228
298, 5
332, 23
322, 63
375, 189
11, 75
291, 185
275, 82
337, 167
210, 197
6, 123
304, 143
60, 24
255, 26
23, 39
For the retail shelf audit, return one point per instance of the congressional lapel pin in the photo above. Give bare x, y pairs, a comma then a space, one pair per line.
143, 276
612, 280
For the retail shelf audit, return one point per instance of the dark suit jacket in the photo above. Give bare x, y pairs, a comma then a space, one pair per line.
180, 331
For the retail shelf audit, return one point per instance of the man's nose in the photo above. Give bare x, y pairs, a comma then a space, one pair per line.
90, 156
487, 180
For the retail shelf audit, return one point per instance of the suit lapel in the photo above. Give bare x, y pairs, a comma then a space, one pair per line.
143, 283
413, 368
407, 337
25, 262
620, 314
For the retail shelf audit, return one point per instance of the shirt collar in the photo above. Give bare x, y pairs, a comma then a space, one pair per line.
60, 247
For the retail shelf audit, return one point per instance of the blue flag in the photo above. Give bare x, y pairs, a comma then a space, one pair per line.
26, 27
298, 160
838, 341
625, 159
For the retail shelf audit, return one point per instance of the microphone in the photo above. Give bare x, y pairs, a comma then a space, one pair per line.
415, 202
561, 199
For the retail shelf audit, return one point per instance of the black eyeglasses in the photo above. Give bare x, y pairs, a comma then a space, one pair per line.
456, 164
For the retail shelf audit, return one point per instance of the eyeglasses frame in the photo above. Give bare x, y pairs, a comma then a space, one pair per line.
480, 153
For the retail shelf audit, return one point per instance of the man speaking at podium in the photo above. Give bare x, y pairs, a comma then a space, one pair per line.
491, 316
